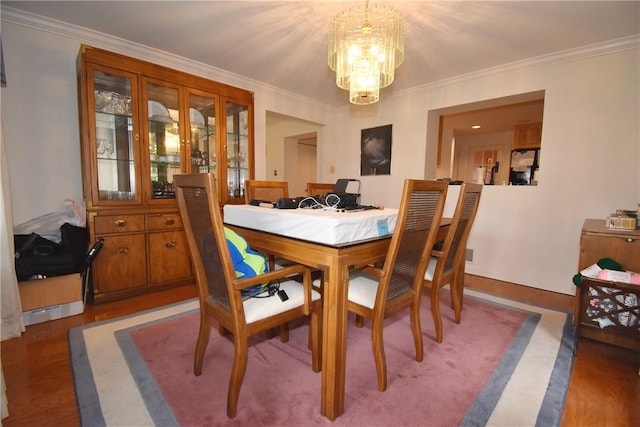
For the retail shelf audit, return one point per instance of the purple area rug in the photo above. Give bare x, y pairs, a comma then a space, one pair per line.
507, 363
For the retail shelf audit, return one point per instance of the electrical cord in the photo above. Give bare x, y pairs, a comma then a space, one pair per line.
331, 202
269, 290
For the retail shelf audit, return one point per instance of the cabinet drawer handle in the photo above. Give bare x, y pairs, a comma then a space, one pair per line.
170, 244
122, 250
170, 221
120, 222
629, 240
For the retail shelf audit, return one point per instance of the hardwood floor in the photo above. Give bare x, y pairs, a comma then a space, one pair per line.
604, 388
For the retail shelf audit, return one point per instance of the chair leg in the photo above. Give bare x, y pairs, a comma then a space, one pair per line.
240, 355
435, 311
456, 300
201, 343
457, 285
378, 353
284, 332
417, 329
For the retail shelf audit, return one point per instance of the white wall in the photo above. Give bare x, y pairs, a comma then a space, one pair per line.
591, 154
526, 235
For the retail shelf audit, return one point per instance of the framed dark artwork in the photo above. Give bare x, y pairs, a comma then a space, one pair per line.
375, 151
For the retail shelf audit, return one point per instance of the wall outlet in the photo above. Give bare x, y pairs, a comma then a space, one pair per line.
468, 255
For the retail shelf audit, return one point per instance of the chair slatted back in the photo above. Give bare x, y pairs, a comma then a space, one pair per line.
463, 218
203, 225
417, 226
265, 190
318, 188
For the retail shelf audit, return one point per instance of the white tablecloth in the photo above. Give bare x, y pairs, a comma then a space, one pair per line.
315, 225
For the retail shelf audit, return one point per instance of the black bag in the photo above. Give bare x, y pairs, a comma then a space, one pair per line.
40, 257
76, 241
288, 203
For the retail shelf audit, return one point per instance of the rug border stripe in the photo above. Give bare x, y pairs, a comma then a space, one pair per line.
157, 407
88, 399
556, 395
483, 406
551, 404
89, 408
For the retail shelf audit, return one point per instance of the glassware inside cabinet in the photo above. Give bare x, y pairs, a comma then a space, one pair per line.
164, 139
115, 152
237, 148
202, 122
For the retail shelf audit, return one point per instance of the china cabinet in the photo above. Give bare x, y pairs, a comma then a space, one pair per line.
140, 125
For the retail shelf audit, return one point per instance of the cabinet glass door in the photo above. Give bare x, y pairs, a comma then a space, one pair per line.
163, 119
202, 130
238, 156
115, 151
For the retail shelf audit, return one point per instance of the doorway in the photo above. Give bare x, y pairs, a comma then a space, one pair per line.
292, 151
300, 159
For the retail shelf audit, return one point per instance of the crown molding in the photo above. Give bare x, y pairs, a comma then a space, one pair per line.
139, 51
569, 55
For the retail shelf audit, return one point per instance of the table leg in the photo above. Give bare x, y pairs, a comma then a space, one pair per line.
334, 338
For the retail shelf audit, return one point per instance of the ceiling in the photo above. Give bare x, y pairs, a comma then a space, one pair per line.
284, 43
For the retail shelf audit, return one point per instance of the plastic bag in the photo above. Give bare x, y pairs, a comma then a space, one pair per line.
48, 225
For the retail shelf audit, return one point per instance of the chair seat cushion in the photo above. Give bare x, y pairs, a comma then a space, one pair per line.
431, 269
362, 289
260, 308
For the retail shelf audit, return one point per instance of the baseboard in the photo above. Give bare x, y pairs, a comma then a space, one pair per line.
528, 294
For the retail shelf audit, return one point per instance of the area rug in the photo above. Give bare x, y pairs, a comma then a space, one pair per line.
507, 364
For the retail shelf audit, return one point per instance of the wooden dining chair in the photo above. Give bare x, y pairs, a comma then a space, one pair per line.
219, 291
317, 188
376, 293
265, 190
446, 264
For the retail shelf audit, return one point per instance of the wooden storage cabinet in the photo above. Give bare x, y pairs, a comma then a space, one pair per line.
140, 125
527, 136
140, 253
623, 246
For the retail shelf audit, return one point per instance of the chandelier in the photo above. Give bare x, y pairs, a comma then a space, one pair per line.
366, 45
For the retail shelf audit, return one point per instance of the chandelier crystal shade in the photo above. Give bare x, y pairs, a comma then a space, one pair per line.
366, 45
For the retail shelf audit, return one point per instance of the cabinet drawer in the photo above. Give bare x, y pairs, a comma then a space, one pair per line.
624, 249
118, 224
164, 221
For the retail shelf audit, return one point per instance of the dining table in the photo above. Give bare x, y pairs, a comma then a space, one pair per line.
333, 242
